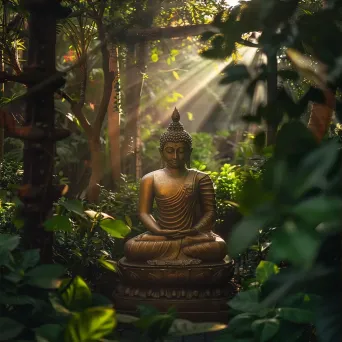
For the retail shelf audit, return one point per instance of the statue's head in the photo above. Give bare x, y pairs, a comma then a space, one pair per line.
176, 144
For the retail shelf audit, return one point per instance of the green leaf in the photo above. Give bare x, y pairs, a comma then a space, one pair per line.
264, 270
115, 228
90, 325
157, 325
108, 264
266, 329
313, 170
298, 246
235, 73
74, 206
17, 300
245, 233
128, 319
241, 323
154, 58
175, 75
129, 221
49, 332
9, 329
100, 300
296, 315
190, 116
246, 301
31, 258
58, 223
75, 294
8, 242
319, 209
45, 276
182, 327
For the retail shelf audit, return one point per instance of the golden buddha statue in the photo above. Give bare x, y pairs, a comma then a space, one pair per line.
182, 232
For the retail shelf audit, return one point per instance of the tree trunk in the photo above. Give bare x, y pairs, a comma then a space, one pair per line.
113, 112
93, 190
142, 52
272, 86
321, 114
38, 192
134, 81
2, 134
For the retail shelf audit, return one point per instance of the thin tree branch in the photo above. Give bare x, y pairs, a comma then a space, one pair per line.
108, 79
77, 111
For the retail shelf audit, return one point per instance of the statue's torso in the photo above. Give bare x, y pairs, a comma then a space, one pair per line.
176, 200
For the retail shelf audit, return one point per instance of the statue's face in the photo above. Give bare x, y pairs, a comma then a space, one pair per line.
175, 155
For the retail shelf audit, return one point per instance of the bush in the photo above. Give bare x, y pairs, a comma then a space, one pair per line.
36, 305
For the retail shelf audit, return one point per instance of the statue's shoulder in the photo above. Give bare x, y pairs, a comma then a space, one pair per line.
200, 176
149, 177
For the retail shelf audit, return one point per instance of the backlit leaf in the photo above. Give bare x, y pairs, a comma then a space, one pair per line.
264, 270
90, 325
75, 294
115, 228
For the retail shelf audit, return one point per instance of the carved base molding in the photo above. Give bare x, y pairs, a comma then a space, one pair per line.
197, 292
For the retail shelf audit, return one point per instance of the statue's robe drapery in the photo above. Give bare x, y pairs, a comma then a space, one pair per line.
182, 211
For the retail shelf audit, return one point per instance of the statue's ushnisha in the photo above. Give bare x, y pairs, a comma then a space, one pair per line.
185, 198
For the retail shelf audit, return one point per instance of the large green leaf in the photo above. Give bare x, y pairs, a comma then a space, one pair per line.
9, 329
318, 209
241, 323
108, 264
75, 294
17, 299
58, 223
49, 332
313, 170
74, 206
265, 329
31, 258
246, 301
155, 325
90, 325
296, 315
45, 276
264, 270
115, 228
296, 245
8, 242
245, 233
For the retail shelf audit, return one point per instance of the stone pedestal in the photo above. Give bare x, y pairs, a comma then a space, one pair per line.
197, 292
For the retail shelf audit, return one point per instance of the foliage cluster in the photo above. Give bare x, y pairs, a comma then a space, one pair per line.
36, 305
297, 201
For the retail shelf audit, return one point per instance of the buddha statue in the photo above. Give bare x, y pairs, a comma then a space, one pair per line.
182, 231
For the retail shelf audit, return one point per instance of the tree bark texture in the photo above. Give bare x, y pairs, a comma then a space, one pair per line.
37, 192
114, 110
272, 87
134, 80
